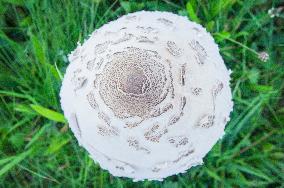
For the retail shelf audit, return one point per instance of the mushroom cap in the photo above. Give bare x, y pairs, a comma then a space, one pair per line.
147, 95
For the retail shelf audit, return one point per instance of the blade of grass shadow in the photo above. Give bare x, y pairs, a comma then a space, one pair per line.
38, 175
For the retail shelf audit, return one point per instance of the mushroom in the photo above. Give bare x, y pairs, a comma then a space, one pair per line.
147, 95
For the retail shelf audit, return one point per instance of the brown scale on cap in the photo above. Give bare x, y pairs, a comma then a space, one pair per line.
200, 52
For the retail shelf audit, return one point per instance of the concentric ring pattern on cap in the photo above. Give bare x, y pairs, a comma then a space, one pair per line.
147, 95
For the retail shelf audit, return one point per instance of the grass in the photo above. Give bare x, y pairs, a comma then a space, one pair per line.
38, 150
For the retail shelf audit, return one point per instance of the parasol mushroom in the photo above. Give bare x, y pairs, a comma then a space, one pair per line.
147, 95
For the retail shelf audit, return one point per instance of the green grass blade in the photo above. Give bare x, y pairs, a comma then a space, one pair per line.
15, 161
37, 136
49, 114
192, 13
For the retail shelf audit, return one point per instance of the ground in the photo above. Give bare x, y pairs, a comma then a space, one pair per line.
37, 149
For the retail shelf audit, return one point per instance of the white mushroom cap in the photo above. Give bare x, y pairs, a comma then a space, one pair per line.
147, 95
